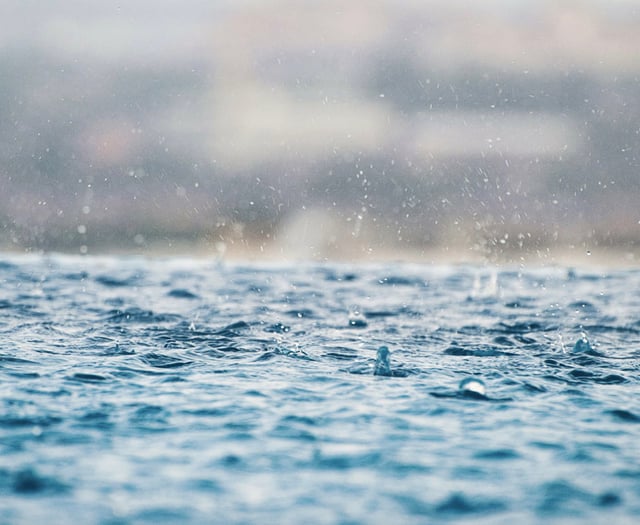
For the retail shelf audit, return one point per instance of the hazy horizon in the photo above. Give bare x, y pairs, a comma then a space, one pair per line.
501, 131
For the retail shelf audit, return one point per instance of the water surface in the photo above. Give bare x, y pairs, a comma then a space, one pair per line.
185, 391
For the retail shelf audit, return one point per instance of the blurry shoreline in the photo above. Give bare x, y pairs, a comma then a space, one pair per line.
484, 131
622, 256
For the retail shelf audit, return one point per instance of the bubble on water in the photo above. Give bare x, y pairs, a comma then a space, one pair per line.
582, 345
383, 366
472, 385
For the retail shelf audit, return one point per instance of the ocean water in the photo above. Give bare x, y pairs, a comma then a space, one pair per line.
141, 390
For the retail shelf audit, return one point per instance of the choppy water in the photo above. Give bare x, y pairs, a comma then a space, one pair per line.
182, 391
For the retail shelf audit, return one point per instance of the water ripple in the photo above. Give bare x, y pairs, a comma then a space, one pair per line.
142, 391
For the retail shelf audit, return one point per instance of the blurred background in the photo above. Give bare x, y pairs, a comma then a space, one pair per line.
404, 129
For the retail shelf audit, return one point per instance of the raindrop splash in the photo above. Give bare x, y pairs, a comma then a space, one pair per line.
582, 345
383, 366
356, 318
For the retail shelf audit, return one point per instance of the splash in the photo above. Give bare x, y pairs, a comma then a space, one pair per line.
383, 365
582, 346
489, 289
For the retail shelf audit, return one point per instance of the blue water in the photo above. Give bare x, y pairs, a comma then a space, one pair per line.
187, 391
